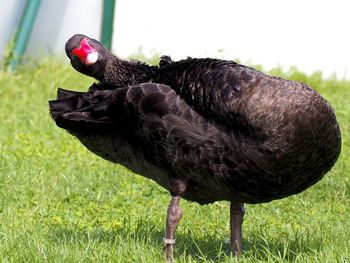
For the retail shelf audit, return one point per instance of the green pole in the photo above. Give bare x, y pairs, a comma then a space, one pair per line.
107, 23
24, 30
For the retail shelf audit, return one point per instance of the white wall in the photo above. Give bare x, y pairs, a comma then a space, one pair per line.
310, 34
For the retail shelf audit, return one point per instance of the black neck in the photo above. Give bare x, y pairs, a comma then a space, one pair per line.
123, 73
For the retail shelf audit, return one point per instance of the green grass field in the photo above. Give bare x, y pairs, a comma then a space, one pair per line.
61, 203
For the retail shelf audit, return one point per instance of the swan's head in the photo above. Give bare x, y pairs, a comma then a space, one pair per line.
86, 55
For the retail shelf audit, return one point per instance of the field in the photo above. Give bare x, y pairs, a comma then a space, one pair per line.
60, 203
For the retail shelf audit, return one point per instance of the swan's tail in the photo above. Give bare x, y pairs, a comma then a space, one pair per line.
81, 111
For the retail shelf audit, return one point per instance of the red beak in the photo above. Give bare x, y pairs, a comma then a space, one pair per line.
84, 50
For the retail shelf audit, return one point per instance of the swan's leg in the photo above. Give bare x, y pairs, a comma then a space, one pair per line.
236, 220
173, 218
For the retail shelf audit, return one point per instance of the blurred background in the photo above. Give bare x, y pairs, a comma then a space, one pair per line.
311, 35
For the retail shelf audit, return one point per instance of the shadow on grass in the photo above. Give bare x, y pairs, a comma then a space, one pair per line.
202, 248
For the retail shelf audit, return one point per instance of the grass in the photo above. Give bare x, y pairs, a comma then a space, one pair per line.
60, 203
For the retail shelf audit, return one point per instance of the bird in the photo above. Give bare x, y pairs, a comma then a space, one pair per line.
205, 129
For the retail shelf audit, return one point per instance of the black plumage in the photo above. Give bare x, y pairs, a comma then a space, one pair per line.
210, 130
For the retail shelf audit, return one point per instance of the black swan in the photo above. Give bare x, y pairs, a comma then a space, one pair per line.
204, 129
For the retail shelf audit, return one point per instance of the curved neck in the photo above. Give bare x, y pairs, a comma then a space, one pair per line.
120, 72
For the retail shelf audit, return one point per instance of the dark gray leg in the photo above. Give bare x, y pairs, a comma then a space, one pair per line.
236, 220
173, 218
